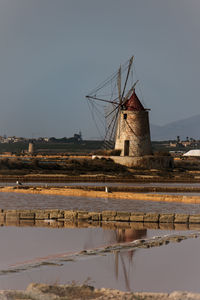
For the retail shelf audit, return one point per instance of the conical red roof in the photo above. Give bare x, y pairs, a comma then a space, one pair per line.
133, 103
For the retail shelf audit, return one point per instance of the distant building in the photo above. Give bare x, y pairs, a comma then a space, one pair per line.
31, 148
195, 152
78, 137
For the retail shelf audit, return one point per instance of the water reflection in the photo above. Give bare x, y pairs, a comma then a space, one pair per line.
125, 258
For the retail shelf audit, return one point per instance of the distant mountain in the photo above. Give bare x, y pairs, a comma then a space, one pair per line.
186, 127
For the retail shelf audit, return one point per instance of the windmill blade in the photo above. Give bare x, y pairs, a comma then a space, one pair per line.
119, 85
127, 75
114, 109
129, 92
113, 131
103, 100
111, 126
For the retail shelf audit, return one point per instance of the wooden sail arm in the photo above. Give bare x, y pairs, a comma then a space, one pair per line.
99, 99
127, 75
119, 85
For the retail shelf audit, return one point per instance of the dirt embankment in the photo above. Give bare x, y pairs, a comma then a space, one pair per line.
74, 292
102, 194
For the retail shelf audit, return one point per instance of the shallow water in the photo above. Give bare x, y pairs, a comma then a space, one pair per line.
163, 269
171, 267
39, 201
118, 184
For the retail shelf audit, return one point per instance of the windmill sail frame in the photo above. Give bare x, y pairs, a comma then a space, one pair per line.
121, 86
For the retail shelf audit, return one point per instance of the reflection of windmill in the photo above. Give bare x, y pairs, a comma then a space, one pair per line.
126, 235
127, 123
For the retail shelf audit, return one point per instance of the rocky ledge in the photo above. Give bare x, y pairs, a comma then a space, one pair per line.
71, 292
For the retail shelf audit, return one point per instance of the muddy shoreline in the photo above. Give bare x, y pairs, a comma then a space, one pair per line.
74, 292
68, 191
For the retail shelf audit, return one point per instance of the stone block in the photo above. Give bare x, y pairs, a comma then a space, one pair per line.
70, 215
56, 214
166, 218
95, 216
137, 217
12, 215
181, 218
27, 215
11, 211
2, 216
194, 219
108, 215
151, 218
123, 216
83, 215
41, 214
25, 210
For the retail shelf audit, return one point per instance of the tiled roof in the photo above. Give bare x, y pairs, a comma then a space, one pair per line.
133, 103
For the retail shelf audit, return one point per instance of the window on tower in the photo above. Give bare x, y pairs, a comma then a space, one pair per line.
125, 116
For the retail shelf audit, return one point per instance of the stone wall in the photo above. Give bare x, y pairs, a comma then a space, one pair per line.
30, 216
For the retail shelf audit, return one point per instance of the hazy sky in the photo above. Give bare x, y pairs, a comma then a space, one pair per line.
53, 52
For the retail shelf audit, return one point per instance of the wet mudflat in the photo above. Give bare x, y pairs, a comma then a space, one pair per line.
39, 201
175, 266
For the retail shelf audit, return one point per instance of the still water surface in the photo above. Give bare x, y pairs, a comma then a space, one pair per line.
162, 269
36, 201
171, 267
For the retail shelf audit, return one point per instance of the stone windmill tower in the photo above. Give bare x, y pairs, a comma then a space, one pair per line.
133, 133
127, 120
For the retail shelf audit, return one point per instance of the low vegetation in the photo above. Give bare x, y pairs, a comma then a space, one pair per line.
68, 166
188, 164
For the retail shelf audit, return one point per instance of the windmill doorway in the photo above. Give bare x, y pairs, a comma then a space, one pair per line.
126, 147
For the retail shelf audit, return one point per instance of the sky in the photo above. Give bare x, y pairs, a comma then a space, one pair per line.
53, 52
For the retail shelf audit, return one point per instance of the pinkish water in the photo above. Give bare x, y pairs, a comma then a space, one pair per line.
171, 267
166, 268
33, 201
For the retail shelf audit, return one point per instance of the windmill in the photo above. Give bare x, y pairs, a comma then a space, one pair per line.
126, 119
